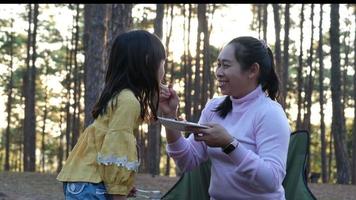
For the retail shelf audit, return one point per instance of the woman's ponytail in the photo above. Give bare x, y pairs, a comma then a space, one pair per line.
272, 82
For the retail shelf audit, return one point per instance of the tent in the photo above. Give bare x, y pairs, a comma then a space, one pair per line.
194, 185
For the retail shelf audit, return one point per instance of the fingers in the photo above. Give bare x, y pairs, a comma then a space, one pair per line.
200, 137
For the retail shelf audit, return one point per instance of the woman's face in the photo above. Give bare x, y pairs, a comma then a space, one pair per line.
232, 80
161, 71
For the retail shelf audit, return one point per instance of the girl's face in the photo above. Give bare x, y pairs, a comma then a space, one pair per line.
161, 71
232, 80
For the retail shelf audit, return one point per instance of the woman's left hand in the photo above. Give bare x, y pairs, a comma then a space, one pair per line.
215, 136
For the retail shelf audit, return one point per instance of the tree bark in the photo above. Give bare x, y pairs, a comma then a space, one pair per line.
95, 50
189, 87
9, 103
309, 87
206, 55
265, 19
284, 77
300, 70
324, 171
154, 129
197, 77
30, 116
119, 20
45, 114
277, 46
76, 80
168, 41
353, 170
338, 130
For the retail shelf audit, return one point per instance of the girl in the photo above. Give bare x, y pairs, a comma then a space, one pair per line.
103, 163
248, 137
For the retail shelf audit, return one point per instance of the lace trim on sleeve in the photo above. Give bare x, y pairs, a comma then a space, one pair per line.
119, 161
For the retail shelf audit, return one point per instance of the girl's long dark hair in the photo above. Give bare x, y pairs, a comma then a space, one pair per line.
134, 62
249, 50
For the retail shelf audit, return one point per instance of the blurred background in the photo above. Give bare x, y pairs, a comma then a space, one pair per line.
53, 59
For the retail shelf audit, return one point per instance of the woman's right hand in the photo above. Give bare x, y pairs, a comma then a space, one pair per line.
168, 101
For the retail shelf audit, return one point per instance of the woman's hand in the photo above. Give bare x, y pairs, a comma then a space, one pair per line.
215, 136
168, 101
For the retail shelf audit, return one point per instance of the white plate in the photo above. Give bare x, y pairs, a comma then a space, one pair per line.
179, 125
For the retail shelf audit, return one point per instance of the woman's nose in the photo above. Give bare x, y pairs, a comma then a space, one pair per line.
219, 72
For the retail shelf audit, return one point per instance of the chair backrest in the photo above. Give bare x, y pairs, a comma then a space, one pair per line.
194, 185
295, 181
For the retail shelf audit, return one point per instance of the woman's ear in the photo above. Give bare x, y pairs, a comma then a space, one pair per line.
254, 71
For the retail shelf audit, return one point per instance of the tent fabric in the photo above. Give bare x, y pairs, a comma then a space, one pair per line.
194, 185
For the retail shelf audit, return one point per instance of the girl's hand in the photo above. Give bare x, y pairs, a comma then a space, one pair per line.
118, 197
168, 101
132, 192
215, 136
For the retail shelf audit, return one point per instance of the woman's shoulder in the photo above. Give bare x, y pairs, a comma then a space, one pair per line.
269, 108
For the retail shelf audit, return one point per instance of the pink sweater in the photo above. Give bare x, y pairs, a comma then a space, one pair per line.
256, 169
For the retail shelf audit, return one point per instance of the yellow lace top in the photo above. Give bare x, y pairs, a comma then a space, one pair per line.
106, 150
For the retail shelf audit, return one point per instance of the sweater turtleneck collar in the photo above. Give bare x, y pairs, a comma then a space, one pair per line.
254, 94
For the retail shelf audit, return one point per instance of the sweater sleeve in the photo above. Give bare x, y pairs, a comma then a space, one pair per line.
266, 168
188, 153
118, 155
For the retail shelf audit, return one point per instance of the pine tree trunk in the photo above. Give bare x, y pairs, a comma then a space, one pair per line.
60, 151
265, 19
353, 170
284, 77
45, 113
206, 55
30, 116
324, 171
25, 88
211, 72
95, 51
76, 80
189, 87
198, 59
259, 20
342, 162
154, 129
168, 41
118, 20
68, 97
309, 88
9, 104
300, 70
344, 83
277, 46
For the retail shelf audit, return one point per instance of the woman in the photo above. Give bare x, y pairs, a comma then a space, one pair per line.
248, 137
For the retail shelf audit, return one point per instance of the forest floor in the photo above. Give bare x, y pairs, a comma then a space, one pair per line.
38, 186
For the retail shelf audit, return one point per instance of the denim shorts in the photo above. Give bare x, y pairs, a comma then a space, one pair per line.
85, 191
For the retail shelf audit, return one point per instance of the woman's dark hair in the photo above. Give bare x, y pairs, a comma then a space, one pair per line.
134, 62
249, 50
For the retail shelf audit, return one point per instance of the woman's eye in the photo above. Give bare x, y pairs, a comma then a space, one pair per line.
226, 66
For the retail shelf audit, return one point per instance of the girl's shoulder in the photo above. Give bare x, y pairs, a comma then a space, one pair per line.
124, 98
126, 95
